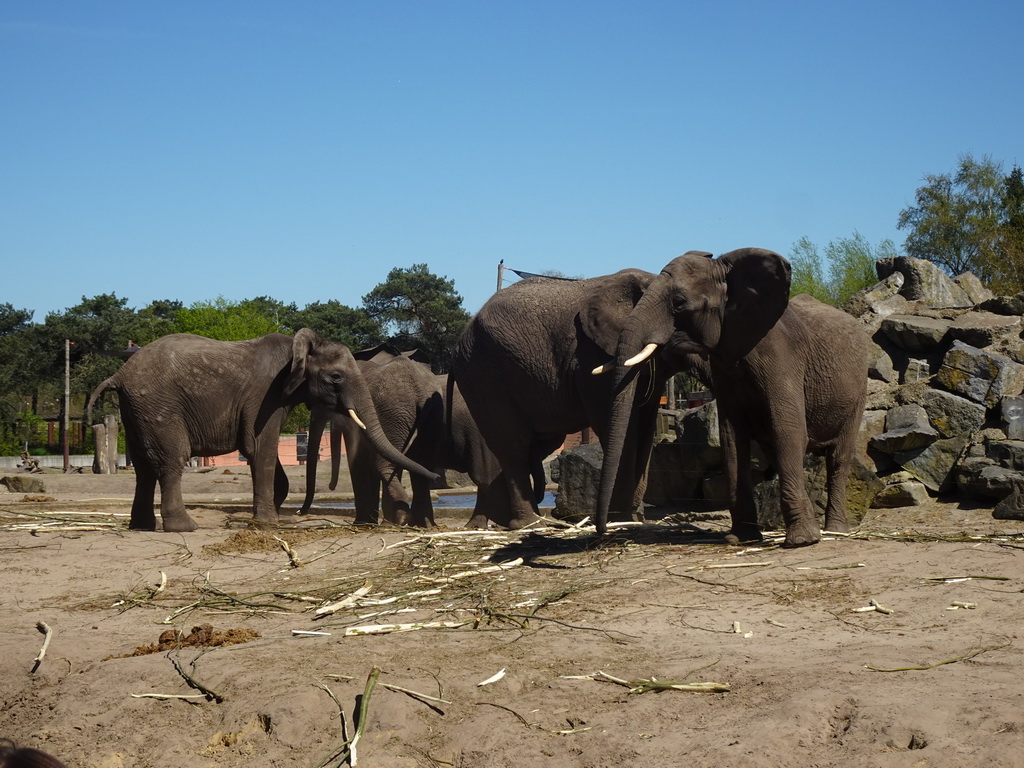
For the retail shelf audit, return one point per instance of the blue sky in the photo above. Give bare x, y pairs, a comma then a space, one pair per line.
191, 150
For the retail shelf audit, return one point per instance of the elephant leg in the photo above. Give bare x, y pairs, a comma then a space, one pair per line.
266, 485
143, 513
422, 505
365, 485
838, 464
172, 504
798, 512
492, 504
394, 499
736, 449
280, 485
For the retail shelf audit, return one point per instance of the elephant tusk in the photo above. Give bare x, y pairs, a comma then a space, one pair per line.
642, 355
355, 417
602, 369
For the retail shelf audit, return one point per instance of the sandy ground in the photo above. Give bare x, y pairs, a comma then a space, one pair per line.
809, 677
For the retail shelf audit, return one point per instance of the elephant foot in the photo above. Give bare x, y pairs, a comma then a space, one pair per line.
802, 535
266, 518
179, 524
836, 524
516, 523
743, 534
478, 522
134, 526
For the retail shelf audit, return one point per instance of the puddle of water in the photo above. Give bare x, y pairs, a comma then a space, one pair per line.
445, 500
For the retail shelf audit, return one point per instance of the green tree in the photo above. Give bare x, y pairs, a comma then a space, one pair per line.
848, 261
419, 310
100, 329
955, 222
157, 320
337, 322
808, 274
852, 261
232, 320
1008, 272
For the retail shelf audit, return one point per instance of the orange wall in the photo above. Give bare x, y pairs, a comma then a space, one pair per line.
285, 452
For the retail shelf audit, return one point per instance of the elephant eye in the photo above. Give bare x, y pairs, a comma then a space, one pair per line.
679, 302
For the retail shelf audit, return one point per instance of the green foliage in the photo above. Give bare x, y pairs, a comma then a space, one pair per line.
970, 221
337, 322
99, 328
851, 267
297, 421
808, 274
234, 320
419, 310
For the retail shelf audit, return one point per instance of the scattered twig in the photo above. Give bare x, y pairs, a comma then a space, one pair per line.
955, 579
492, 679
716, 566
385, 629
477, 571
326, 610
653, 684
874, 606
192, 682
417, 695
43, 627
528, 724
965, 657
293, 557
958, 604
169, 696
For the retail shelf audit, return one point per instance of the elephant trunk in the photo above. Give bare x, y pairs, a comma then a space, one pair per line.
362, 404
317, 419
336, 432
623, 393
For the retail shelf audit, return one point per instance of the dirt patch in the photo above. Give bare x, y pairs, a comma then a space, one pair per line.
793, 637
203, 636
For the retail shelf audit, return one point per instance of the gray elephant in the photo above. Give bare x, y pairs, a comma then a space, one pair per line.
185, 395
412, 404
525, 367
796, 383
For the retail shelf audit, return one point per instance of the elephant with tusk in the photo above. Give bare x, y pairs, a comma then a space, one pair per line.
790, 374
185, 395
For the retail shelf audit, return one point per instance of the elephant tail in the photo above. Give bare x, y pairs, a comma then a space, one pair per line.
103, 386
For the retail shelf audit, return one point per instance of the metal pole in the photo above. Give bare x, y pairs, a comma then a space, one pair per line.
501, 273
67, 402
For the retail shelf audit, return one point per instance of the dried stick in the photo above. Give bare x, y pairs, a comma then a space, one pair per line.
192, 682
965, 657
47, 636
293, 558
417, 695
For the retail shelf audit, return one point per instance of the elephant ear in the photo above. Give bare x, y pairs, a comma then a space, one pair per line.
303, 344
757, 290
606, 307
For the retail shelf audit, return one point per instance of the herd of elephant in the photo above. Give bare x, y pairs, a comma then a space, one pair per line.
542, 359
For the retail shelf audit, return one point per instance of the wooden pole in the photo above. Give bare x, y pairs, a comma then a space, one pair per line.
67, 403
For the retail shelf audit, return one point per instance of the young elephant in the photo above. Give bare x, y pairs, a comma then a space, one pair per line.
424, 413
184, 395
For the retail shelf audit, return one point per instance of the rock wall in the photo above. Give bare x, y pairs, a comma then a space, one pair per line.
944, 414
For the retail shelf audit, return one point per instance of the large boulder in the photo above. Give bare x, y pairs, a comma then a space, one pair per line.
579, 476
23, 484
916, 334
906, 428
980, 329
934, 465
861, 488
950, 414
981, 376
924, 282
